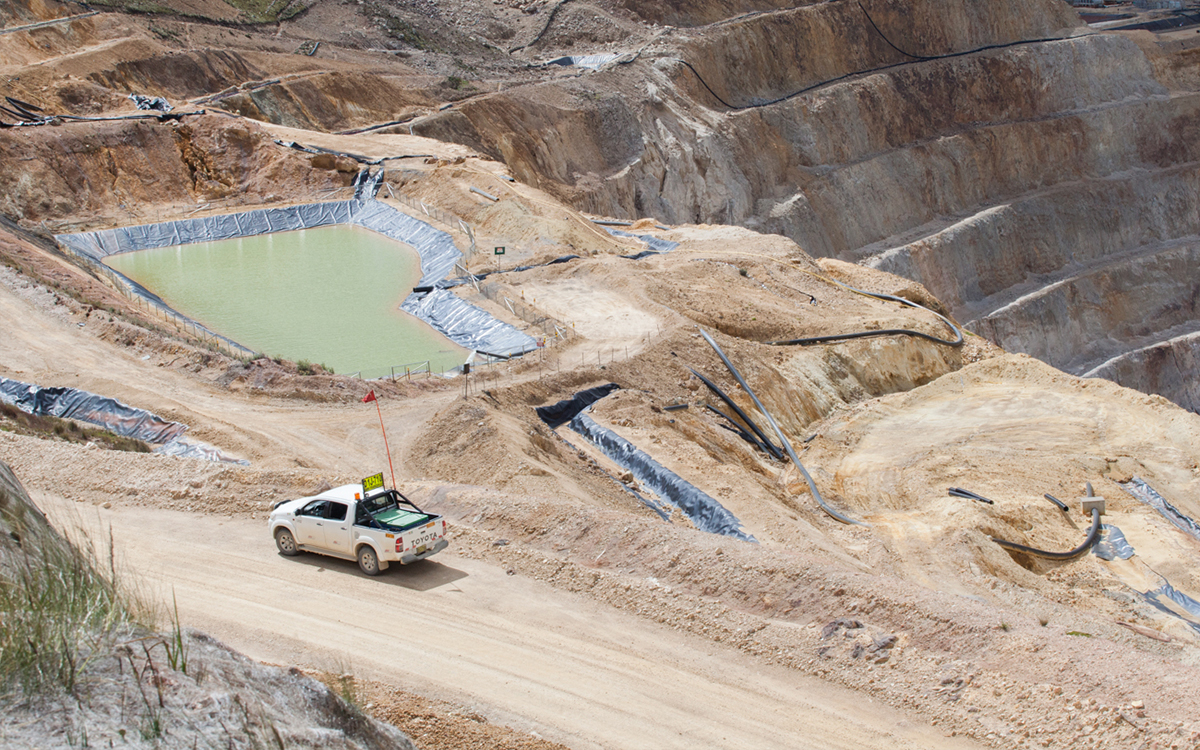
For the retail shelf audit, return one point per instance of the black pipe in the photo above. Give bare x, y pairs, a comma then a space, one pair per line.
856, 73
957, 342
812, 486
960, 492
1061, 505
745, 434
766, 442
1088, 543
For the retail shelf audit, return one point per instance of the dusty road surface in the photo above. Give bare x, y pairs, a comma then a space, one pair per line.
516, 650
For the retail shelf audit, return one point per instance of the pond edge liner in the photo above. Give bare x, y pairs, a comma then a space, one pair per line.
1112, 544
460, 321
812, 486
704, 511
109, 414
1142, 490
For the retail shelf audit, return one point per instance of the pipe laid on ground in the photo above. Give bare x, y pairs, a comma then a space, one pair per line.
762, 437
1088, 543
489, 196
741, 431
957, 342
812, 486
960, 492
1061, 505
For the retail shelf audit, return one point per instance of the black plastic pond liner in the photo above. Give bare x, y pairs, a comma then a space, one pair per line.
109, 414
592, 62
1112, 544
1144, 492
154, 103
704, 511
71, 403
1182, 600
657, 245
366, 185
557, 415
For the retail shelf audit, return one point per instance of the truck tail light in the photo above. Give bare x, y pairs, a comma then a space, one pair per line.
443, 527
399, 543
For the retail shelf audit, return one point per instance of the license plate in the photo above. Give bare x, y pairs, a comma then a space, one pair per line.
420, 549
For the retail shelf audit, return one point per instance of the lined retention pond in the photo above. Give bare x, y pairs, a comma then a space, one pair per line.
328, 295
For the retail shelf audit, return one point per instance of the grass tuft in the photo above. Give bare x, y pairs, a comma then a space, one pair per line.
59, 605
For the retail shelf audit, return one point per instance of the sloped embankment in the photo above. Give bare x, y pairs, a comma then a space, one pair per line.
1023, 168
78, 670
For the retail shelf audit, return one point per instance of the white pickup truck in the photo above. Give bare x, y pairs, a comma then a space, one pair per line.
375, 528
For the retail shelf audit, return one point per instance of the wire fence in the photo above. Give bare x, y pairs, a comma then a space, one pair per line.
181, 323
554, 331
433, 212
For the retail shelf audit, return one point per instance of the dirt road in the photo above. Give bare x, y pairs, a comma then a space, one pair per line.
515, 650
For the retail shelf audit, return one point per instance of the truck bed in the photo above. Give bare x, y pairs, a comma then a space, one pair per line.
402, 518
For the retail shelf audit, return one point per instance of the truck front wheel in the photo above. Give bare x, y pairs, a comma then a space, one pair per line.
368, 561
286, 543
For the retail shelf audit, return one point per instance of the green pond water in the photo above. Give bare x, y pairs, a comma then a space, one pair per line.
329, 295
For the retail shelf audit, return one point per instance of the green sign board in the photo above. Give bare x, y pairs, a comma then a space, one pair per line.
372, 483
499, 251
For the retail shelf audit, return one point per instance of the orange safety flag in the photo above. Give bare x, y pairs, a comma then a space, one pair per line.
369, 397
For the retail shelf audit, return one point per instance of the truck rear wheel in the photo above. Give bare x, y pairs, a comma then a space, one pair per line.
286, 543
368, 561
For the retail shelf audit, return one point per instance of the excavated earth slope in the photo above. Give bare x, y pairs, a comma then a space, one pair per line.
1085, 137
1037, 177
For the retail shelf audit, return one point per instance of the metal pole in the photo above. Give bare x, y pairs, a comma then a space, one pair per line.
385, 443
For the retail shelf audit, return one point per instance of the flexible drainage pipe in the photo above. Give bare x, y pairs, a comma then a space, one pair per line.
787, 446
766, 442
741, 431
1061, 505
1088, 543
956, 342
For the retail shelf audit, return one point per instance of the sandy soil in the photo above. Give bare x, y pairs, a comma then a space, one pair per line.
515, 650
565, 607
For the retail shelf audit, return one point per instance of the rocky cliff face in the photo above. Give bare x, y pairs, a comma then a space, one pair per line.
1038, 177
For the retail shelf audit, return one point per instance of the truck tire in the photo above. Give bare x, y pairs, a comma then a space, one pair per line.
368, 560
286, 543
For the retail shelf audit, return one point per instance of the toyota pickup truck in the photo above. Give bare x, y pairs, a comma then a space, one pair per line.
375, 527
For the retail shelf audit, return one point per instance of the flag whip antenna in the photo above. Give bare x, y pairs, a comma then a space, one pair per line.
371, 397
